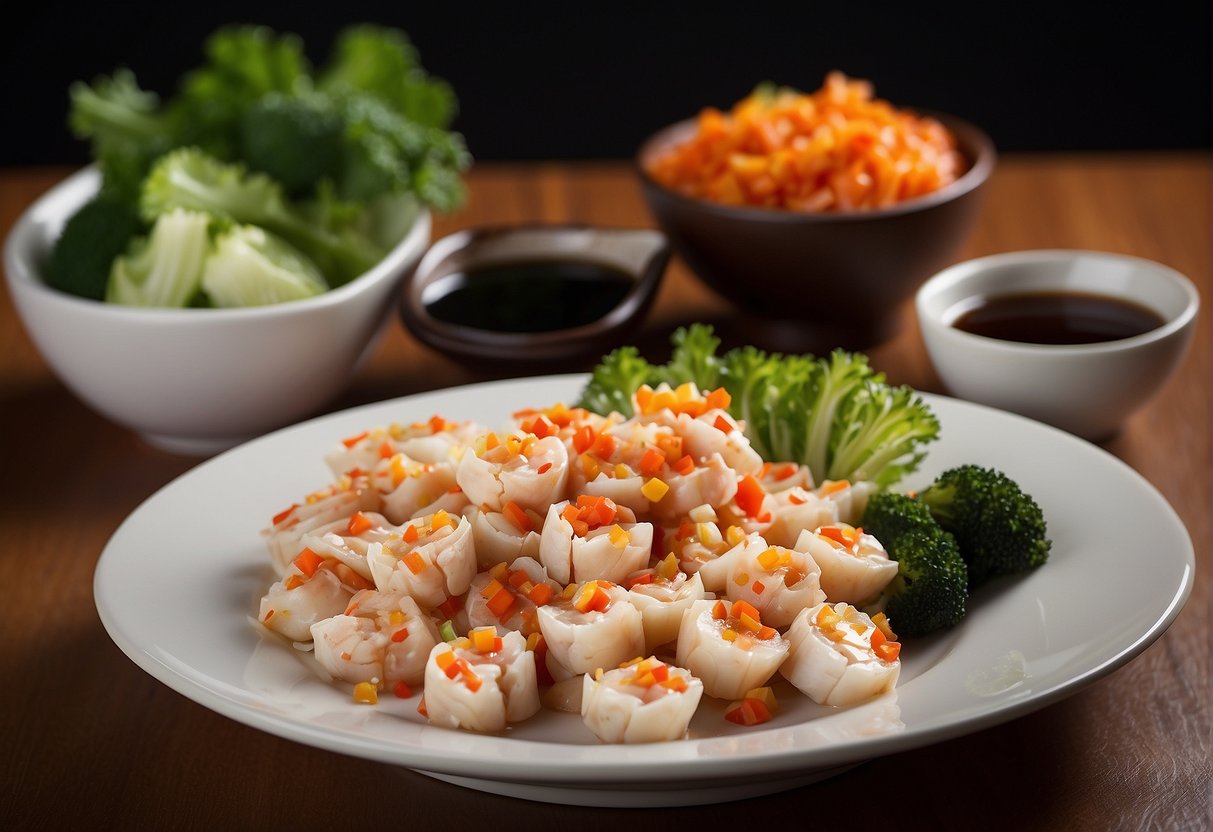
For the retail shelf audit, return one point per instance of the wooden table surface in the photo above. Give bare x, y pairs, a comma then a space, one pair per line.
90, 738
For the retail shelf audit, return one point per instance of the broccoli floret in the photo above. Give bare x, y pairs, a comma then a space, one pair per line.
999, 528
251, 267
81, 259
191, 179
296, 139
163, 269
930, 589
126, 128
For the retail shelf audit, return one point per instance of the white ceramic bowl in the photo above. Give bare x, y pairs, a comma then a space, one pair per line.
198, 380
1086, 389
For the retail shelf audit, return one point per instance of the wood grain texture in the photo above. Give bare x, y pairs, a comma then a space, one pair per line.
89, 738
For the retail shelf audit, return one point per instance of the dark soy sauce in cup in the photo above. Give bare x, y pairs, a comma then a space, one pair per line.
1057, 318
528, 296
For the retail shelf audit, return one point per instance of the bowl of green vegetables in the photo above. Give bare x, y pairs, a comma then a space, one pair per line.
234, 251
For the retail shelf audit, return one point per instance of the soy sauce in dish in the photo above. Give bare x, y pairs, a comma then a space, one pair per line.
528, 296
1056, 318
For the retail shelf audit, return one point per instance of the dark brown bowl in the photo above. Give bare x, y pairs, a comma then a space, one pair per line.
844, 275
642, 254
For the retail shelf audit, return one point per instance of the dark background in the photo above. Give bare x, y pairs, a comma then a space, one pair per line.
540, 80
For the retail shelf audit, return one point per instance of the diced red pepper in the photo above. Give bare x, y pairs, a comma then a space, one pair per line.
359, 523
749, 496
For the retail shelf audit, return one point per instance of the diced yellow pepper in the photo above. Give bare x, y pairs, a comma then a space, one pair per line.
764, 695
668, 567
654, 490
484, 638
365, 693
619, 537
769, 559
882, 623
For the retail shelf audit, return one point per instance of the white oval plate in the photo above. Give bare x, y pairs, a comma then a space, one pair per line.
177, 589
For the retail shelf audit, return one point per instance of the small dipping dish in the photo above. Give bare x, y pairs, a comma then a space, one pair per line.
536, 294
1085, 388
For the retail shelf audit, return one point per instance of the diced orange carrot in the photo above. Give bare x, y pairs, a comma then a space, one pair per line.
719, 399
517, 516
351, 441
501, 603
540, 595
604, 446
307, 562
651, 462
359, 523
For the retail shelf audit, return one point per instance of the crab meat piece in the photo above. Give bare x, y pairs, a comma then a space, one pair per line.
339, 540
408, 634
439, 563
833, 663
292, 612
795, 510
497, 540
477, 691
849, 498
521, 614
702, 437
661, 605
727, 666
854, 565
711, 481
779, 582
533, 480
628, 705
413, 489
609, 552
337, 502
582, 640
623, 491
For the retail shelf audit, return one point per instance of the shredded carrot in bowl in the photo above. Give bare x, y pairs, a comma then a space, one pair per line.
837, 149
